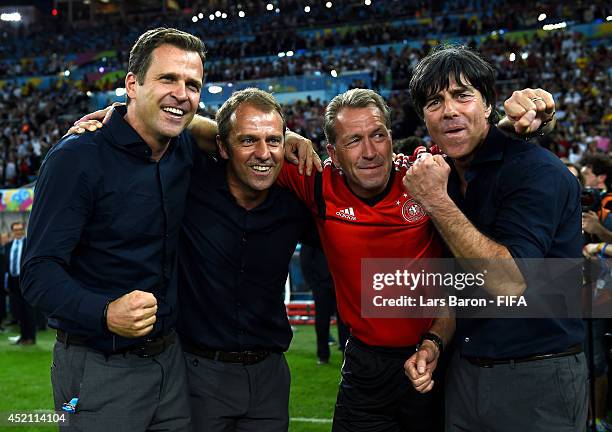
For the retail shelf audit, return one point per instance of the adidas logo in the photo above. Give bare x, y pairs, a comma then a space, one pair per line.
347, 213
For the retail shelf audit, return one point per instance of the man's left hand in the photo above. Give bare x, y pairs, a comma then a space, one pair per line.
427, 179
300, 151
420, 366
527, 109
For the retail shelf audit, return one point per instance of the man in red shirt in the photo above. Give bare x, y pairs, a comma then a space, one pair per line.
364, 212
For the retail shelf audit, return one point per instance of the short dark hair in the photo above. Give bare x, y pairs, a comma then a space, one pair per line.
249, 96
142, 51
600, 164
17, 223
433, 73
354, 98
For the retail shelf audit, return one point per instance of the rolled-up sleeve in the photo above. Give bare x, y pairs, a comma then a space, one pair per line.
63, 203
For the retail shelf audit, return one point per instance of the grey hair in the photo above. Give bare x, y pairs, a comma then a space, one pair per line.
355, 98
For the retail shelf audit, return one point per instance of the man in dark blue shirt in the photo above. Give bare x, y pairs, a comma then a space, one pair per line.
503, 199
101, 259
239, 233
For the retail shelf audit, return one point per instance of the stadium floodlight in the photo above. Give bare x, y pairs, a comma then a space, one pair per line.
289, 53
269, 6
281, 54
120, 91
277, 10
218, 14
542, 17
101, 69
241, 14
200, 15
549, 27
512, 57
11, 17
328, 5
194, 19
201, 104
525, 55
223, 15
89, 93
334, 73
214, 89
609, 18
211, 17
66, 73
368, 2
307, 9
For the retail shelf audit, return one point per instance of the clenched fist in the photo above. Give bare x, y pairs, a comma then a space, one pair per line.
527, 109
132, 315
427, 179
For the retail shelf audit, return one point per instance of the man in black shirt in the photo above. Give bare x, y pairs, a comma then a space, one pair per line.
239, 233
101, 257
501, 199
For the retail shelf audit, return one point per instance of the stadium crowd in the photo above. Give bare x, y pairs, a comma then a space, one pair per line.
575, 70
268, 33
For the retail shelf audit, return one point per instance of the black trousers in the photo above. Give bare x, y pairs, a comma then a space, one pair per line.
25, 313
232, 397
376, 396
325, 306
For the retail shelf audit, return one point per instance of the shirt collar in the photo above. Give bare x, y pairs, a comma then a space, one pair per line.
492, 149
122, 134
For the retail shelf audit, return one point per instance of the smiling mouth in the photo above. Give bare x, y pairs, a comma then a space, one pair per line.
177, 112
261, 168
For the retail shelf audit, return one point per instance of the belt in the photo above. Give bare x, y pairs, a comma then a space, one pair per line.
242, 357
489, 362
150, 347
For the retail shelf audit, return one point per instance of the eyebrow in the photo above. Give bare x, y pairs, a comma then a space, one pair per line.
253, 136
172, 75
453, 91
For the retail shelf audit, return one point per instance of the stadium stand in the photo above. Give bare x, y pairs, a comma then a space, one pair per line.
50, 72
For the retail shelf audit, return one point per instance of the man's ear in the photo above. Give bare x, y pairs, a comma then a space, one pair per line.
488, 110
223, 150
331, 151
131, 82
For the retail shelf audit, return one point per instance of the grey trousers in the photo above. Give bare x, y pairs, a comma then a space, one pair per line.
121, 393
232, 397
539, 396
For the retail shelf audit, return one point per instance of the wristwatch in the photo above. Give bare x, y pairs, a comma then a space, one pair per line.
434, 338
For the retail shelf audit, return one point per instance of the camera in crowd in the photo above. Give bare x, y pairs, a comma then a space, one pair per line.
590, 200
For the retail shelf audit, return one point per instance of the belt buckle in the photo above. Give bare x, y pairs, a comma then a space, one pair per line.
248, 357
143, 351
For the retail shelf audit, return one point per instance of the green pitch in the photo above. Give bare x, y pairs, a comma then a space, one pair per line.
25, 382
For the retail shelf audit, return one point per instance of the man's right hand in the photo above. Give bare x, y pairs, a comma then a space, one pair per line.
93, 121
132, 315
